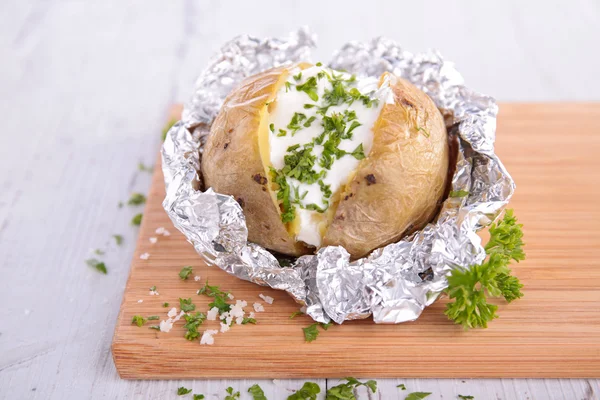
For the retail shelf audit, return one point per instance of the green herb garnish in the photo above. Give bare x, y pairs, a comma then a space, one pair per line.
138, 320
417, 395
469, 288
192, 322
220, 297
99, 252
231, 395
118, 239
308, 391
97, 265
465, 397
198, 397
153, 288
153, 318
272, 127
257, 392
310, 88
345, 391
311, 333
247, 320
136, 199
458, 193
401, 386
183, 391
185, 272
319, 64
295, 314
145, 168
167, 127
137, 219
298, 77
186, 305
165, 304
155, 327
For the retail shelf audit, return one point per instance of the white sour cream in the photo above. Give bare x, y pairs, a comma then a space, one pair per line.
289, 101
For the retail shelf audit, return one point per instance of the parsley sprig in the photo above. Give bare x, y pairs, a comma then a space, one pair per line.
345, 391
308, 391
220, 298
469, 288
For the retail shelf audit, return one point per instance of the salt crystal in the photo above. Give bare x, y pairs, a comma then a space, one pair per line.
229, 320
153, 240
224, 327
160, 231
165, 326
140, 301
258, 307
197, 278
251, 314
230, 296
239, 320
211, 315
172, 312
267, 299
144, 256
177, 318
166, 233
207, 336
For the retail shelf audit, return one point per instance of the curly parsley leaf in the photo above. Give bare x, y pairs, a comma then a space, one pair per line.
220, 297
185, 272
198, 397
257, 392
470, 288
417, 395
308, 391
183, 391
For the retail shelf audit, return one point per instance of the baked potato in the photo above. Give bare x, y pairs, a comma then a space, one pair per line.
317, 157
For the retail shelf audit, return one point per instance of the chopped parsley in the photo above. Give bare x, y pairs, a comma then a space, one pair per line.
136, 199
145, 168
183, 391
401, 386
295, 314
198, 397
155, 327
257, 392
167, 127
118, 239
153, 318
97, 265
458, 193
165, 304
469, 288
309, 87
220, 298
345, 391
465, 397
137, 219
247, 320
192, 322
186, 305
99, 252
153, 288
231, 395
308, 391
311, 333
138, 320
185, 272
417, 395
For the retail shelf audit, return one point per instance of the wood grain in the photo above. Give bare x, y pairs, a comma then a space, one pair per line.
554, 331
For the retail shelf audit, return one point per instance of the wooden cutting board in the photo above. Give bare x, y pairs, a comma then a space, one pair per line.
553, 153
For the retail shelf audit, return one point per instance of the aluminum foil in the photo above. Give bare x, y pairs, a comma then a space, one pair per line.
394, 283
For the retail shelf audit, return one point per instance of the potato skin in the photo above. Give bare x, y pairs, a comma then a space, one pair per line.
231, 162
397, 189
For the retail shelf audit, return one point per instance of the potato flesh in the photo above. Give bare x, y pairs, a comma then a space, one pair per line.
393, 191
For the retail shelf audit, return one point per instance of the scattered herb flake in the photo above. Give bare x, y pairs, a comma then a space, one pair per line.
97, 265
155, 327
192, 322
185, 272
118, 239
165, 304
183, 391
231, 395
145, 168
153, 318
138, 320
186, 305
198, 397
311, 333
167, 127
465, 397
136, 199
401, 386
295, 314
137, 219
417, 395
153, 288
308, 391
99, 252
458, 193
257, 392
247, 320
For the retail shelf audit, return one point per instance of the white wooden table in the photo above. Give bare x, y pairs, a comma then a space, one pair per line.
84, 88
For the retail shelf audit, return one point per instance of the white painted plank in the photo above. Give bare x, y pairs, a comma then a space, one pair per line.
84, 87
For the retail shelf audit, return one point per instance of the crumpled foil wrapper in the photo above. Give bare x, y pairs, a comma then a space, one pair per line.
394, 283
